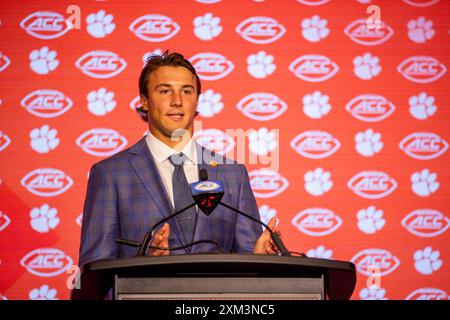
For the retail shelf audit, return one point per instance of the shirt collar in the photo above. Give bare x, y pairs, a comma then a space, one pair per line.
162, 151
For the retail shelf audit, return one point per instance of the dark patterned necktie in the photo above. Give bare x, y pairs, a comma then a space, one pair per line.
182, 197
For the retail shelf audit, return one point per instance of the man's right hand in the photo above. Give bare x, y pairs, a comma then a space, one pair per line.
161, 239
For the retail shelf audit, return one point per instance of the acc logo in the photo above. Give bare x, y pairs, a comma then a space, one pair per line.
46, 103
206, 186
154, 27
372, 184
317, 222
101, 142
4, 221
313, 2
359, 33
4, 141
421, 69
313, 68
427, 294
267, 183
383, 259
100, 64
79, 219
262, 106
211, 66
45, 25
215, 140
47, 182
4, 62
46, 262
423, 145
370, 107
135, 103
426, 223
315, 144
421, 3
261, 30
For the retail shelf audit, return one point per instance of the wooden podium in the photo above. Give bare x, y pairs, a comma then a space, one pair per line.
217, 276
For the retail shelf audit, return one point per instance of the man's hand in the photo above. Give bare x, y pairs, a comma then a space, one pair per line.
161, 239
264, 244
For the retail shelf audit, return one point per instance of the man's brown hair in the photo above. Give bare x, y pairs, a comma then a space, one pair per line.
155, 61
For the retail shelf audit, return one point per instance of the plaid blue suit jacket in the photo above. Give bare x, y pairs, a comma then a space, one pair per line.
126, 197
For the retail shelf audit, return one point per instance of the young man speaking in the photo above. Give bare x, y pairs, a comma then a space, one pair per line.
131, 191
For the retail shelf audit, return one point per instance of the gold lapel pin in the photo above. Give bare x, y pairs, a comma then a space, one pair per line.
213, 163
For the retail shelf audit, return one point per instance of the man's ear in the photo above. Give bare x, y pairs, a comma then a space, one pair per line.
144, 102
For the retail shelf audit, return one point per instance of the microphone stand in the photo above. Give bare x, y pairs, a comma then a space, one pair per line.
148, 236
276, 239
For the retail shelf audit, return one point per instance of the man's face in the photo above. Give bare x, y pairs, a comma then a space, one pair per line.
172, 101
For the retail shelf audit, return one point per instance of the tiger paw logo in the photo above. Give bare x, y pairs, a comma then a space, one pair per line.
260, 30
154, 28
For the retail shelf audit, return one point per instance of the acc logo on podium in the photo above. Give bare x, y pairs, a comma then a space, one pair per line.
46, 262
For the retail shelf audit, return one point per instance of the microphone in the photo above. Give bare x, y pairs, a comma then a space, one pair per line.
208, 195
143, 246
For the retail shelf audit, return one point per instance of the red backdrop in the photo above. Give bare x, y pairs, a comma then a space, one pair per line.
352, 115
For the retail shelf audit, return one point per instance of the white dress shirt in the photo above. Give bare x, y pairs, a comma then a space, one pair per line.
161, 152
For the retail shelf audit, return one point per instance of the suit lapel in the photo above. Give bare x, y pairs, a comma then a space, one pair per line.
145, 167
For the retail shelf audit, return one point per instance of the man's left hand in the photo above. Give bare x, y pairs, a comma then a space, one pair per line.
264, 244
